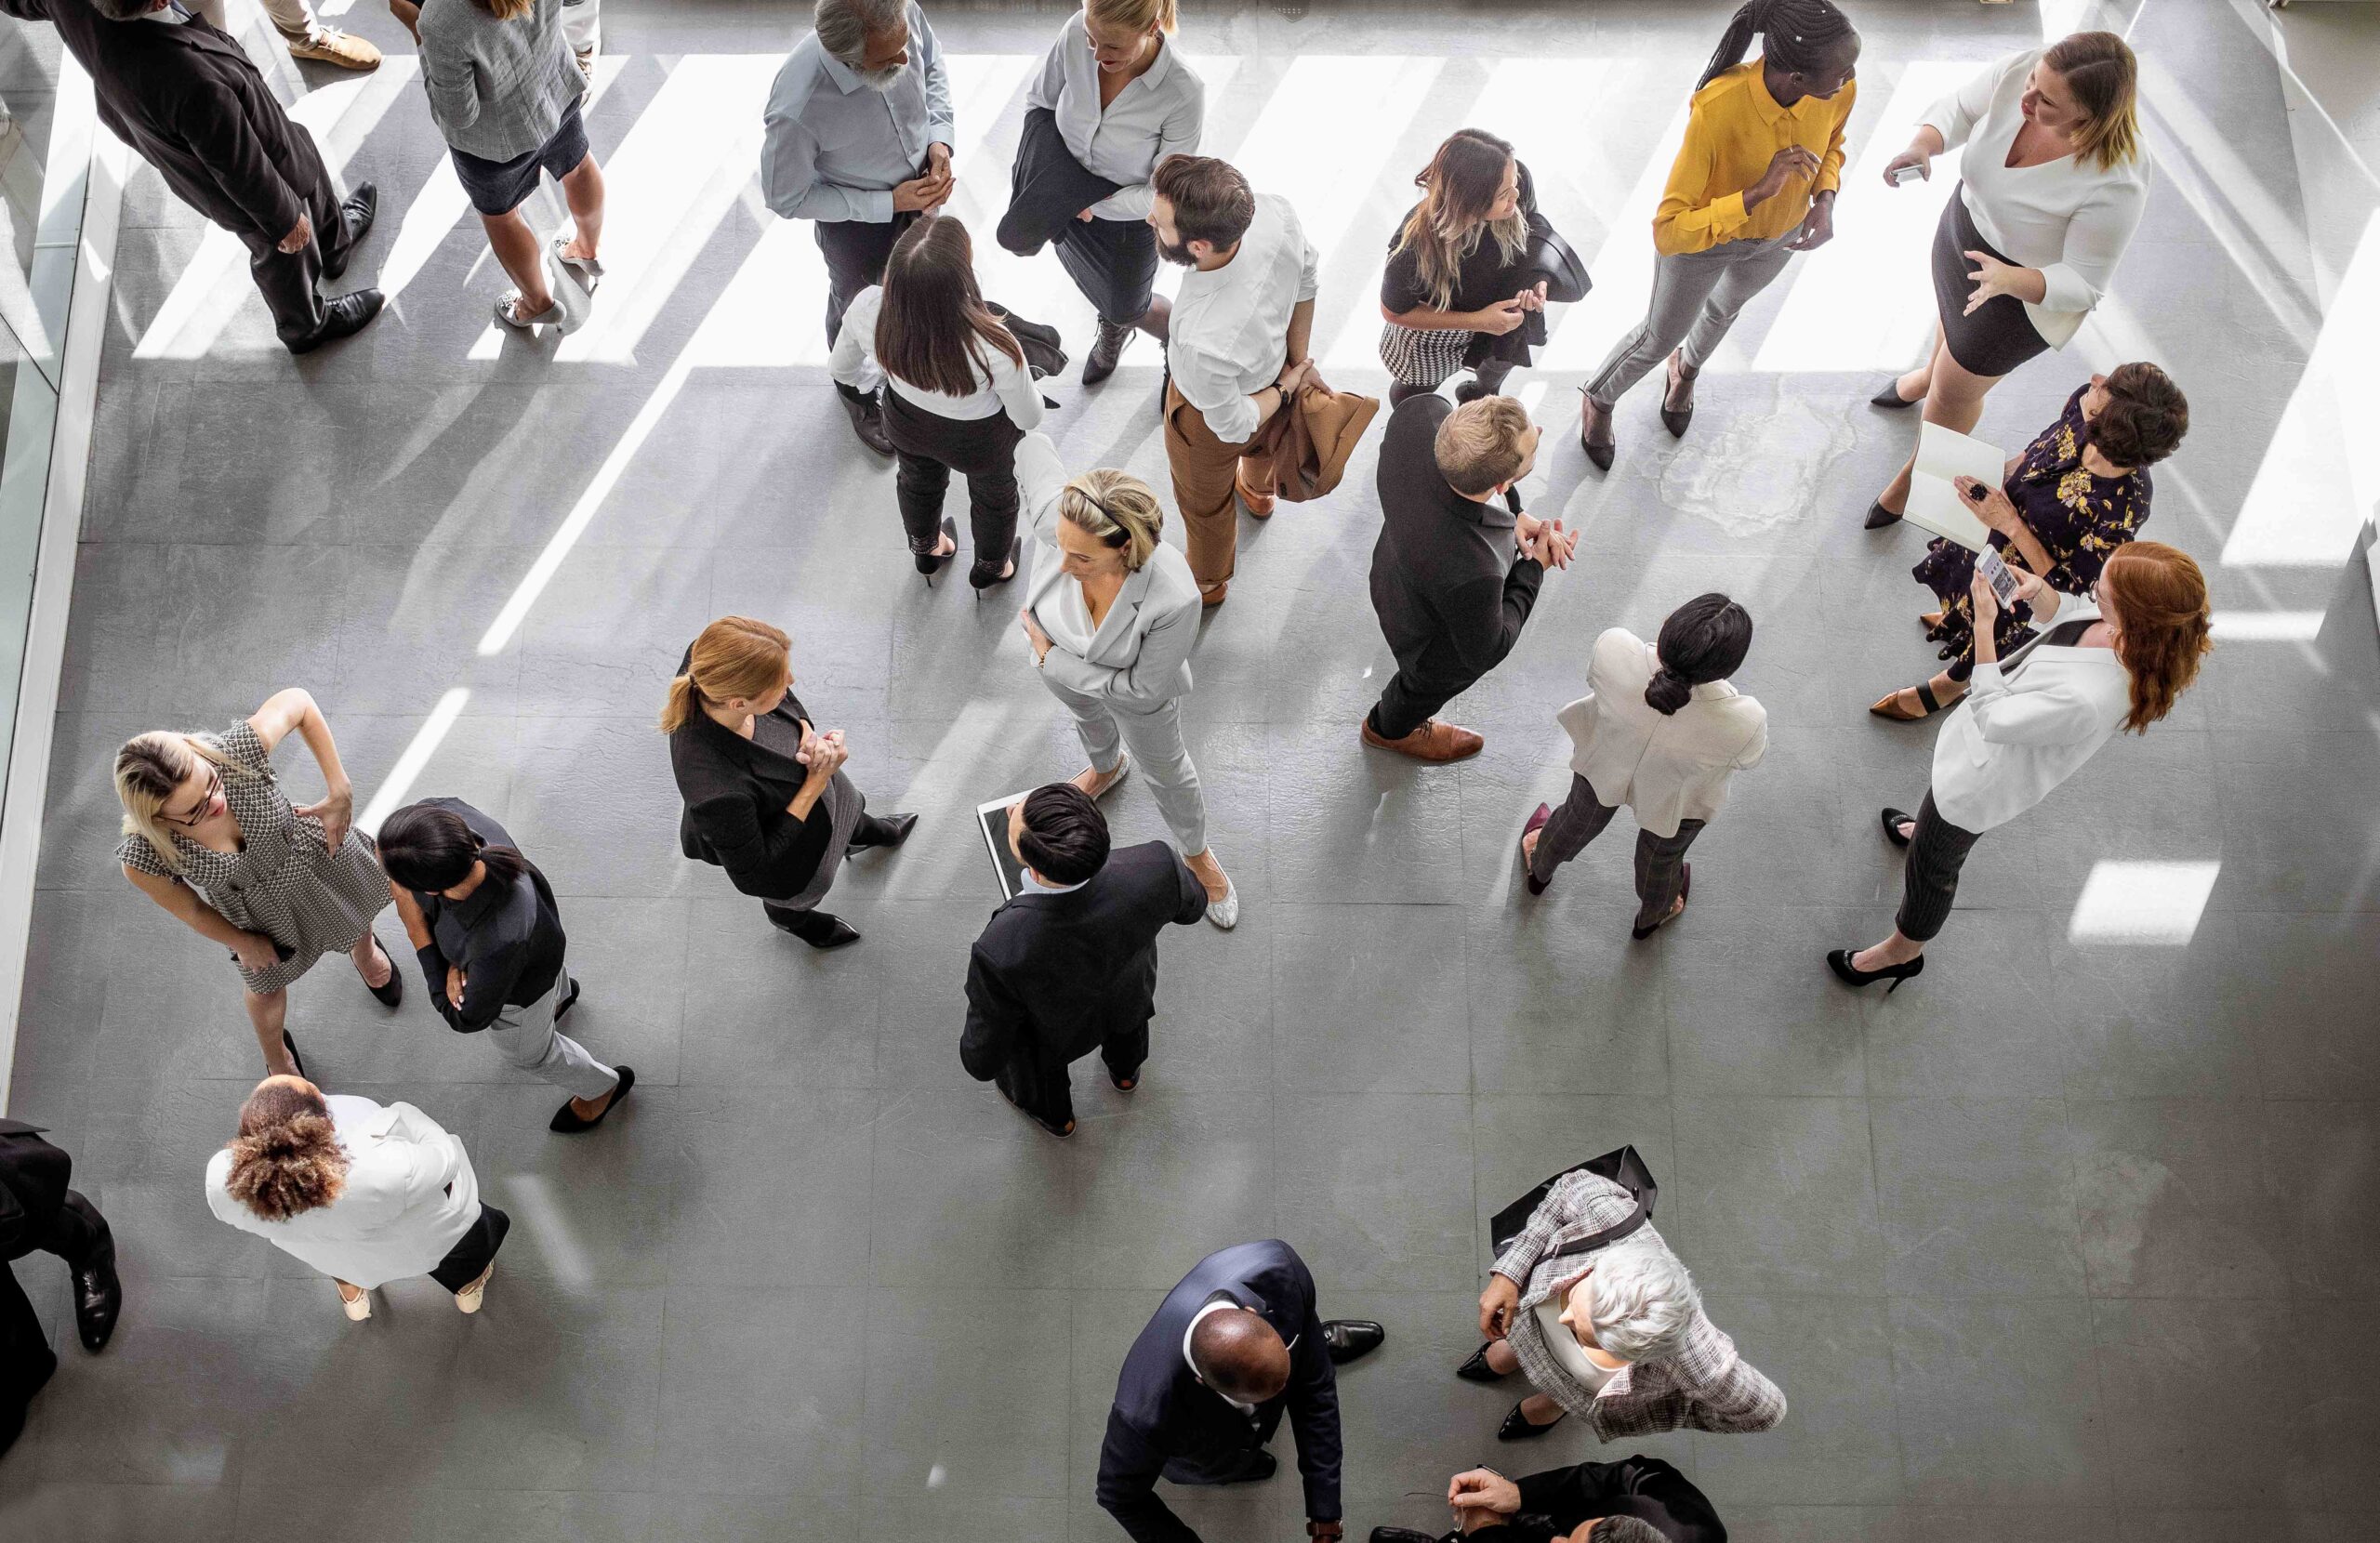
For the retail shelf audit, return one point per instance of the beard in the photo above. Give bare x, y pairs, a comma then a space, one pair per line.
879, 80
1179, 254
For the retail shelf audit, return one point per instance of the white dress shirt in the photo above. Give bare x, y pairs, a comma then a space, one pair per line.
1002, 384
834, 147
1230, 332
1156, 115
2066, 218
1665, 768
2027, 726
409, 1198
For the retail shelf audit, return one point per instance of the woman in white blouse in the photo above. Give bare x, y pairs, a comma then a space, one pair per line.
362, 1193
1124, 100
957, 394
1661, 731
1112, 614
2117, 660
2051, 189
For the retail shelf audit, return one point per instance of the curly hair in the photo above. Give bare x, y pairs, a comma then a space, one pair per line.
2162, 616
286, 1160
2145, 417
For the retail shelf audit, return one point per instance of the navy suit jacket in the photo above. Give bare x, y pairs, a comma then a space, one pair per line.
1164, 1413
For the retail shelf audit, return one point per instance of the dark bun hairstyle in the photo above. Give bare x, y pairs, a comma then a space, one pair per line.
2145, 418
427, 847
1704, 640
1065, 838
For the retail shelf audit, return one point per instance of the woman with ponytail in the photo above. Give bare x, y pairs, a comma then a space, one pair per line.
365, 1192
765, 794
1660, 730
2118, 659
1753, 183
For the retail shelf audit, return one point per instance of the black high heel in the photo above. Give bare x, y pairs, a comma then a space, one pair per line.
984, 574
391, 991
931, 563
1879, 516
295, 1058
1893, 818
1598, 453
1477, 1369
1890, 399
1519, 1427
1851, 975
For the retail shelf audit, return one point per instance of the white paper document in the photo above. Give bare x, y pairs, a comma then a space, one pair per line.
1934, 501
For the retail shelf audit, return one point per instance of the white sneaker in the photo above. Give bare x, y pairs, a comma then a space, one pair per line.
1224, 913
358, 1307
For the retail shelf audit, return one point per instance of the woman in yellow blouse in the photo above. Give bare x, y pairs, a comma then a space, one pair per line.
1753, 183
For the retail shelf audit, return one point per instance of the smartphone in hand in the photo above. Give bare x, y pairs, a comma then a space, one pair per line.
1903, 176
1995, 572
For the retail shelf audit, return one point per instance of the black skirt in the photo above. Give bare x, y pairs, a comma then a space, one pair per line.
1999, 337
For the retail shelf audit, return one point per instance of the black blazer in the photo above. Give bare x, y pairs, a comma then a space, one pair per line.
189, 101
736, 793
1047, 188
1449, 607
34, 1177
1163, 1413
1644, 1487
1054, 976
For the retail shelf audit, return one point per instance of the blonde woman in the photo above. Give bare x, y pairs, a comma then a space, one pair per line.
1112, 615
210, 837
1113, 97
362, 1191
1458, 292
765, 794
2051, 187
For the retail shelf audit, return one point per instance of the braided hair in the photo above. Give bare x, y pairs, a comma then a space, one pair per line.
1795, 33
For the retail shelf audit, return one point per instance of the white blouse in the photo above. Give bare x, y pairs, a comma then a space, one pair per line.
1158, 114
1567, 1350
2027, 726
1008, 387
2066, 218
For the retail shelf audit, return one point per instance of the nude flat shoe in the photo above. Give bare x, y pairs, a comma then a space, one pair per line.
358, 1307
469, 1298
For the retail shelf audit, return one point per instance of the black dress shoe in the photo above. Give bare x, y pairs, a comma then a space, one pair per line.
1100, 363
867, 420
356, 211
817, 928
567, 1003
1518, 1427
346, 316
99, 1296
1879, 516
896, 830
1477, 1369
567, 1120
1350, 1338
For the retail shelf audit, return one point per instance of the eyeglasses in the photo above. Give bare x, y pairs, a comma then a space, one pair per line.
206, 801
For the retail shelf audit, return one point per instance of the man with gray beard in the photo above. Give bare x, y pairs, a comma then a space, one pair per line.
858, 142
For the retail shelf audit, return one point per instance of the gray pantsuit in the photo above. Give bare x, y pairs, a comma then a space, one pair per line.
527, 1037
1695, 298
1153, 738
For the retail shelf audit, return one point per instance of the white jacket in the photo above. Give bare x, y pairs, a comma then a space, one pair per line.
1667, 769
2026, 729
410, 1197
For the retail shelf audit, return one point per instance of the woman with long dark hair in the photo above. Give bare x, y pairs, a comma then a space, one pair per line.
1459, 292
957, 394
1661, 731
2051, 187
1753, 183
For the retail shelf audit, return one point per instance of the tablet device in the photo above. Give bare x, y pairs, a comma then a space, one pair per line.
992, 820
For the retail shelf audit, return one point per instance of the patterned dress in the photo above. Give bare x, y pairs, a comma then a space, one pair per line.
284, 881
2078, 517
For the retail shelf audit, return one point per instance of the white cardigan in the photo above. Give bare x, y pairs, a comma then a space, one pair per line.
2066, 218
1667, 769
2026, 729
410, 1197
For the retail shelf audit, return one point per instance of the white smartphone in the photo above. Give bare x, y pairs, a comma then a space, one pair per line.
1995, 572
1902, 175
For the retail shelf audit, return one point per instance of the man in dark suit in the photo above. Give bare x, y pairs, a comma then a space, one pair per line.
1069, 966
1451, 590
38, 1212
1638, 1499
186, 98
1235, 1345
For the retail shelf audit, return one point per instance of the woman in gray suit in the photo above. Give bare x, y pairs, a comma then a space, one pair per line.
504, 90
1112, 613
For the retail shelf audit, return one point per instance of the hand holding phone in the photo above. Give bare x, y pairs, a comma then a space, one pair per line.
1996, 573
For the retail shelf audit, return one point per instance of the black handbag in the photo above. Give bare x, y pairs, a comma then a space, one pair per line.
1565, 276
1622, 1167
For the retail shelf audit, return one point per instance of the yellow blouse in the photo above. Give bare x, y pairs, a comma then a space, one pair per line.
1735, 130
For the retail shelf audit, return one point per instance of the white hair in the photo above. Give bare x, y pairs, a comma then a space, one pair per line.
1627, 1529
844, 25
1643, 1300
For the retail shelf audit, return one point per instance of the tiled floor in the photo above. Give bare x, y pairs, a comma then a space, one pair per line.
2077, 1238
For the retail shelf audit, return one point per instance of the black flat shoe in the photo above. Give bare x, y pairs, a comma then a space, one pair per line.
1477, 1369
897, 829
566, 1120
99, 1296
356, 211
1351, 1339
391, 991
1536, 819
1890, 398
1516, 1426
931, 563
1879, 516
817, 928
984, 574
1851, 975
567, 1003
295, 1058
1892, 819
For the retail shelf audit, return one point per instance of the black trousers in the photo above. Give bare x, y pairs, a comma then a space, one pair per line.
930, 447
1042, 1086
290, 281
1660, 859
855, 251
26, 1360
1113, 263
474, 1251
1930, 874
1411, 698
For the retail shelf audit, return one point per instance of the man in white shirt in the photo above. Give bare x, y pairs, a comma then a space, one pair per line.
1237, 344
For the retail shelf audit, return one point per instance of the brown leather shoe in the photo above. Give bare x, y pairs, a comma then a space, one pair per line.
1432, 742
1258, 504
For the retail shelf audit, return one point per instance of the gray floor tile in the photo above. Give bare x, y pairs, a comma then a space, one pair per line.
2172, 1198
997, 1423
1369, 999
1838, 1443
1740, 1162
757, 1390
1384, 1197
1994, 1404
961, 1175
74, 1511
2321, 1167
1977, 1197
2149, 1356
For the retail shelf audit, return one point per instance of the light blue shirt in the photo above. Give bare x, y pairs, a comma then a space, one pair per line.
835, 147
1036, 881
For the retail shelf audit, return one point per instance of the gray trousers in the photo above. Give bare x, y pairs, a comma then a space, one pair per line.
1154, 738
1696, 299
1660, 859
527, 1037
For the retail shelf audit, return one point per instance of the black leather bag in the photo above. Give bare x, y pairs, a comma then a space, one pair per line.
1565, 276
1622, 1167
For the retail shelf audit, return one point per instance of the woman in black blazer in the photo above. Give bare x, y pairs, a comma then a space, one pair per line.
766, 798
